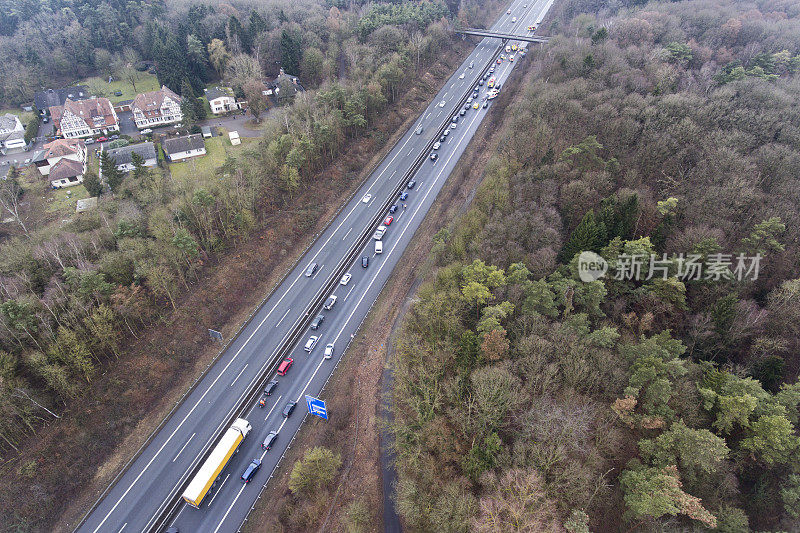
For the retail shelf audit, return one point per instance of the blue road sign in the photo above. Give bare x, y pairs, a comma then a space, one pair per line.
317, 407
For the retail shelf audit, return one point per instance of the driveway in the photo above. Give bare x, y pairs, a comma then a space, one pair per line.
237, 122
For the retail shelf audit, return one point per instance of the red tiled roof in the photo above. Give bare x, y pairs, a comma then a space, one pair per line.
97, 112
62, 147
152, 101
65, 168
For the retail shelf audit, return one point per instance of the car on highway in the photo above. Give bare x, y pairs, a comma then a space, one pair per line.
514, 19
508, 12
491, 70
475, 93
365, 261
317, 322
511, 58
442, 103
393, 209
441, 139
418, 131
466, 105
525, 6
311, 269
270, 388
328, 351
462, 112
437, 145
270, 440
251, 470
499, 60
411, 184
388, 221
476, 105
480, 82
485, 104
453, 126
330, 302
469, 101
446, 133
531, 28
310, 343
462, 76
367, 198
403, 196
346, 279
434, 156
378, 235
285, 365
454, 119
289, 409
471, 64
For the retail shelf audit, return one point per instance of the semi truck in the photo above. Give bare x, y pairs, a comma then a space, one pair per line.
206, 477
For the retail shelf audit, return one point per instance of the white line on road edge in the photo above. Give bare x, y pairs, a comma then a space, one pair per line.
239, 374
184, 446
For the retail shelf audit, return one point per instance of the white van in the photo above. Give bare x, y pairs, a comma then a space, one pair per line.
378, 247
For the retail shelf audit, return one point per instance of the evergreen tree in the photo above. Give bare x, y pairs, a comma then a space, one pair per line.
139, 169
111, 174
589, 235
91, 182
291, 51
257, 24
237, 32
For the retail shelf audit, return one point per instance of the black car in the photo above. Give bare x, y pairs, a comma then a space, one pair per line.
466, 106
251, 470
463, 112
393, 208
270, 388
411, 184
289, 409
442, 139
317, 322
404, 196
270, 440
486, 104
365, 261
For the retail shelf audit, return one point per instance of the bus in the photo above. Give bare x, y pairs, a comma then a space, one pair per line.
206, 477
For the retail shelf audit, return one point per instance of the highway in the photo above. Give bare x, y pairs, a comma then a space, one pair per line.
139, 497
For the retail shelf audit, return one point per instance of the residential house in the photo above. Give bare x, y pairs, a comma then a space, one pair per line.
44, 100
156, 108
66, 173
180, 148
124, 156
283, 80
222, 100
123, 107
53, 152
12, 134
84, 118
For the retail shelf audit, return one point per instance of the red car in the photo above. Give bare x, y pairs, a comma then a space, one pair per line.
102, 139
387, 221
285, 366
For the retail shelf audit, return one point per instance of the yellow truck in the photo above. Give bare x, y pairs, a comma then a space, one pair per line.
206, 477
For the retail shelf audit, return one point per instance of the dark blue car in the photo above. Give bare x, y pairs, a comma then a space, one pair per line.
404, 196
251, 470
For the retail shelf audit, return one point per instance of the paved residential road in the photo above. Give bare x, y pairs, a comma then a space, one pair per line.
165, 465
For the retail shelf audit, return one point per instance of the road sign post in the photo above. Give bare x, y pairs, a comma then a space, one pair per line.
317, 407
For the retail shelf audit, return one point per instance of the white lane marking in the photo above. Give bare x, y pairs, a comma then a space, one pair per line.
231, 507
123, 527
409, 152
273, 406
346, 234
348, 293
427, 116
147, 466
219, 490
317, 272
284, 316
239, 374
184, 446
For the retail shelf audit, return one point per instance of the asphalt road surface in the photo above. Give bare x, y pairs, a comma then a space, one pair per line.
170, 458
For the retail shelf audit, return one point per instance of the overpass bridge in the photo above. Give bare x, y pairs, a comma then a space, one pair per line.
501, 35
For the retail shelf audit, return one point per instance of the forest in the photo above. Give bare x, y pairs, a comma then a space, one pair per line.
529, 399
